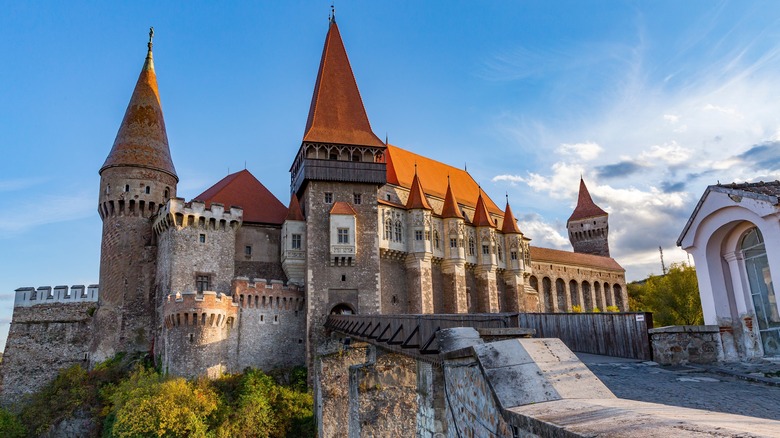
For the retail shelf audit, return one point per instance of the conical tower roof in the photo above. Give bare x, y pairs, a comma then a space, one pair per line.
294, 212
337, 114
450, 208
417, 197
585, 206
481, 216
510, 224
142, 140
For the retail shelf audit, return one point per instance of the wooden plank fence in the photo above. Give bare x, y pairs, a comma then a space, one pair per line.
608, 334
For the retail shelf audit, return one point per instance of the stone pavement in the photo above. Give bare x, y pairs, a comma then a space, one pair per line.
751, 389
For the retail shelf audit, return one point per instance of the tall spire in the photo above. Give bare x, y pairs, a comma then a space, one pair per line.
481, 216
141, 140
450, 208
417, 197
585, 206
337, 114
510, 224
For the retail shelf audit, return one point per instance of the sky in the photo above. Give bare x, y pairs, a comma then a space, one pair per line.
650, 102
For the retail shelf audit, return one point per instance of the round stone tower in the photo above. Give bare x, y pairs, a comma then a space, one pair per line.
136, 179
588, 225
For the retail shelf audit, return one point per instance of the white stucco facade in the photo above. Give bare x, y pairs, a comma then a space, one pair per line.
735, 275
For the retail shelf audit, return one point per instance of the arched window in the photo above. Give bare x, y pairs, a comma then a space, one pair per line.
436, 241
388, 229
574, 292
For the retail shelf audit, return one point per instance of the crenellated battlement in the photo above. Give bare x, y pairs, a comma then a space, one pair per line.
30, 296
209, 309
262, 294
177, 213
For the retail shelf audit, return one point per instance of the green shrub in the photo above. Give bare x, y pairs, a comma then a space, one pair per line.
10, 426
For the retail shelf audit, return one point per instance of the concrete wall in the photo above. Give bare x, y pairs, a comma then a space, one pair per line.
42, 340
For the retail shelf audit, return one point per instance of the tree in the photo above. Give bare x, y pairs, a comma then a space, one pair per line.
673, 298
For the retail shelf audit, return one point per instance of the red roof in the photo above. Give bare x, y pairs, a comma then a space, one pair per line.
417, 197
242, 189
294, 212
141, 140
341, 207
400, 171
450, 208
585, 206
574, 258
481, 216
337, 114
510, 224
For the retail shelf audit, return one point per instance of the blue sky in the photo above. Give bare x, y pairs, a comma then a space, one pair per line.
650, 101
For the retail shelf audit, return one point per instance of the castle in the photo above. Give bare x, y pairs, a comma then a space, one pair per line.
234, 278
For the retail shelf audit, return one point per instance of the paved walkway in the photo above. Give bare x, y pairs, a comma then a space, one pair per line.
721, 388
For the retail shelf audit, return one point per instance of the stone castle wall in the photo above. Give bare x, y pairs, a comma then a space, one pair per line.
42, 340
586, 287
271, 325
263, 260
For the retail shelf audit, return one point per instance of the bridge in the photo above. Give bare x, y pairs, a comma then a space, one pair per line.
481, 375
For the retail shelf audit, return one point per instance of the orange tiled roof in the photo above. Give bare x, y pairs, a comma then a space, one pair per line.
574, 258
142, 140
337, 114
510, 224
450, 208
585, 206
400, 171
417, 197
341, 207
481, 216
294, 212
243, 190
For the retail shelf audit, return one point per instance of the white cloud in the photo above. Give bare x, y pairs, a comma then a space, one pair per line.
585, 151
671, 153
542, 233
720, 109
671, 118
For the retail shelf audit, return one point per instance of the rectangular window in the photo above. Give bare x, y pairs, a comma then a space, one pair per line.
202, 282
328, 197
472, 248
427, 235
513, 255
343, 235
248, 251
453, 242
202, 238
357, 198
485, 249
296, 241
418, 235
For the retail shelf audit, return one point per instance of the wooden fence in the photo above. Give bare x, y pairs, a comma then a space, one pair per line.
608, 334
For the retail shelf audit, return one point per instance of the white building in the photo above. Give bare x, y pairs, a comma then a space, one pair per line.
734, 237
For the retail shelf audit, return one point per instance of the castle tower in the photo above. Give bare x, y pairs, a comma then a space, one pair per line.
454, 264
588, 225
418, 260
518, 297
337, 171
136, 179
293, 239
487, 249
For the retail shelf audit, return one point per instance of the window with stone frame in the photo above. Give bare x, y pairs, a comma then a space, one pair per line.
202, 282
436, 239
453, 242
328, 198
202, 238
398, 231
295, 242
500, 253
472, 247
248, 250
388, 229
343, 235
418, 235
513, 255
485, 249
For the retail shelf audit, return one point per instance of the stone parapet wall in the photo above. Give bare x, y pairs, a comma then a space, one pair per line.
681, 344
42, 340
30, 296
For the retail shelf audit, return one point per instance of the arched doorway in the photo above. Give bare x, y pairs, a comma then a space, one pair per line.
342, 309
761, 290
574, 294
587, 296
548, 296
560, 293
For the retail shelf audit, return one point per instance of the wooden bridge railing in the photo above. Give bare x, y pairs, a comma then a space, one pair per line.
609, 334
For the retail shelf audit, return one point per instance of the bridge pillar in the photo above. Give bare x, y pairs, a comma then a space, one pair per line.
454, 273
419, 283
487, 289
